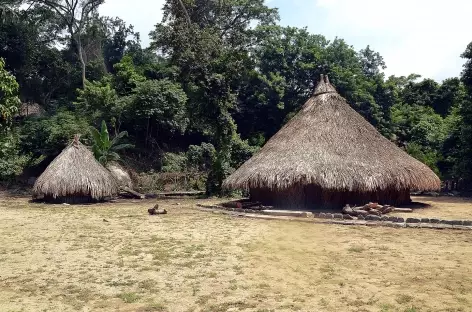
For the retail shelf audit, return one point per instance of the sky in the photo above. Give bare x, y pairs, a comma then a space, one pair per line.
425, 37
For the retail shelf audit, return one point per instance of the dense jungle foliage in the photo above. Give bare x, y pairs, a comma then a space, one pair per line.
218, 79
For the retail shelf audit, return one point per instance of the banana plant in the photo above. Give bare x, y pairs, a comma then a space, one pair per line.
104, 149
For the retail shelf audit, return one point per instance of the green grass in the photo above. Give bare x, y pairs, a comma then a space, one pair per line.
129, 297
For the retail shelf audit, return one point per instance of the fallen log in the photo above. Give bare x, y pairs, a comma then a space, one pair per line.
132, 192
360, 212
182, 193
153, 211
233, 205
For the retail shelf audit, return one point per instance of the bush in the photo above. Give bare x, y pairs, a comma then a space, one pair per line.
160, 105
200, 157
425, 155
174, 162
12, 162
241, 151
49, 135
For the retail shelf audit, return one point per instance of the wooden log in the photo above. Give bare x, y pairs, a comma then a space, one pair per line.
402, 209
234, 204
154, 211
365, 208
183, 193
251, 204
132, 192
374, 212
360, 212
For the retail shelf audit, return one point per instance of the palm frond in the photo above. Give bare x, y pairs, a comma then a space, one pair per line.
119, 137
121, 147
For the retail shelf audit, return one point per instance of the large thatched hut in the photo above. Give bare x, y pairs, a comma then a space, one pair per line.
75, 176
328, 156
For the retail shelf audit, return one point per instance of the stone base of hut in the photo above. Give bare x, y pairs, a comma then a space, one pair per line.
313, 197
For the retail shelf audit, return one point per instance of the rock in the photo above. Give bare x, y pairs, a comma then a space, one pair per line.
372, 218
434, 220
338, 216
456, 222
384, 218
467, 223
424, 220
348, 217
348, 210
321, 215
392, 219
445, 222
360, 217
400, 220
329, 216
413, 220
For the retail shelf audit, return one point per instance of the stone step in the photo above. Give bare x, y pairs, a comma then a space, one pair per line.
288, 213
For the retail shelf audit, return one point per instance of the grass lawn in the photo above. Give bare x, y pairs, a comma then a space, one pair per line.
114, 257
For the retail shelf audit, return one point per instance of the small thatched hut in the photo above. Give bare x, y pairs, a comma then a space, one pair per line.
75, 176
30, 109
120, 174
328, 156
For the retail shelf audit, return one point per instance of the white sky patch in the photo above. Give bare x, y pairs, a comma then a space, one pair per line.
413, 36
142, 14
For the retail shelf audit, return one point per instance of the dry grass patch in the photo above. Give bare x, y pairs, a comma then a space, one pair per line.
66, 258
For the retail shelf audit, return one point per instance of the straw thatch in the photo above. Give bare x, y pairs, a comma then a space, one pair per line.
30, 109
75, 176
120, 174
328, 154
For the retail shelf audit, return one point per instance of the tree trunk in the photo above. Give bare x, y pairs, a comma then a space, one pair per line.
81, 58
76, 39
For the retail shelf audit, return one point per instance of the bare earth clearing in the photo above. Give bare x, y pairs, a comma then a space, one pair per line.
68, 258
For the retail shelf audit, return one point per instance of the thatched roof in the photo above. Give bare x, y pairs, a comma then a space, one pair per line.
120, 174
330, 145
75, 173
30, 109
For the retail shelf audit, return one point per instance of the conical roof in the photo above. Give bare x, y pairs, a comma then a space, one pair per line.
330, 145
75, 172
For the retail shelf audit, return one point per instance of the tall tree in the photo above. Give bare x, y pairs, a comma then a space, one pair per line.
209, 41
9, 100
75, 14
465, 160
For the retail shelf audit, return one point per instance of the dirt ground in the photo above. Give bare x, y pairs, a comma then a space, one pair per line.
115, 257
443, 207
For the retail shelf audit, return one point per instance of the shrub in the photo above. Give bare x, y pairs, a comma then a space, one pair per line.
49, 135
12, 162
